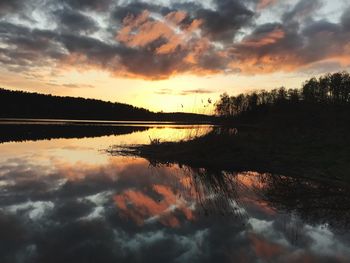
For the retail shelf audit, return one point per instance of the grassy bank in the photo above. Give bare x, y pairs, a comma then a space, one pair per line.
312, 153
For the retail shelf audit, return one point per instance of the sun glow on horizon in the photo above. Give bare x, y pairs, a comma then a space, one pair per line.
182, 93
170, 56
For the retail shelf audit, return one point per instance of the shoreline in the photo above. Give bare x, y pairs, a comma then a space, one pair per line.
321, 156
31, 121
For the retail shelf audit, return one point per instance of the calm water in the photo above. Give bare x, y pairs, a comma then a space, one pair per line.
68, 200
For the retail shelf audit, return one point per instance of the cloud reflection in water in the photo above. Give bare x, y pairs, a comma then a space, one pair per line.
121, 209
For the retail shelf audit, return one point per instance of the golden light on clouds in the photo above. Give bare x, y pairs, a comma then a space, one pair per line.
174, 56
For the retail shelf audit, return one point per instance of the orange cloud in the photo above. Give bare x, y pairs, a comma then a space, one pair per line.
265, 3
250, 180
141, 30
140, 207
265, 63
267, 39
155, 46
143, 206
171, 198
176, 17
155, 43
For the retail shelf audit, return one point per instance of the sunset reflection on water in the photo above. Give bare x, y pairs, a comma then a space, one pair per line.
68, 200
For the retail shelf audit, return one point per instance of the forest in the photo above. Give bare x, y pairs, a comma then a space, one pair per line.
329, 89
20, 104
321, 101
295, 132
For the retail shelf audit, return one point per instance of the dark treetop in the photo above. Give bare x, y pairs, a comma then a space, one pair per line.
19, 104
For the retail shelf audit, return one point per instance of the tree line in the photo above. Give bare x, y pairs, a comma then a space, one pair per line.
329, 89
20, 104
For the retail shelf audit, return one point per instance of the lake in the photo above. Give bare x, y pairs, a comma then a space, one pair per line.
65, 198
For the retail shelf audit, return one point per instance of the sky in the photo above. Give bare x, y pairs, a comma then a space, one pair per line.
169, 55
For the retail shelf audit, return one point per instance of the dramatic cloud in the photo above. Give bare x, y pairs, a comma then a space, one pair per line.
73, 21
265, 3
345, 19
97, 5
222, 23
150, 40
303, 9
9, 6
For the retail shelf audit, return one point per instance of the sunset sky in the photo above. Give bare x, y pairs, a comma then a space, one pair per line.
169, 55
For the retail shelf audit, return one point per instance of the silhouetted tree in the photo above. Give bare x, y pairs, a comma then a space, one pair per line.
323, 88
328, 89
293, 95
310, 90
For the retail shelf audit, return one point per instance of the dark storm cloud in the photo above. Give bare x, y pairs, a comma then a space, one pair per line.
38, 46
138, 61
98, 51
7, 6
222, 23
8, 29
219, 24
323, 40
319, 35
154, 41
73, 21
21, 9
294, 44
96, 5
211, 61
302, 9
345, 19
136, 8
28, 47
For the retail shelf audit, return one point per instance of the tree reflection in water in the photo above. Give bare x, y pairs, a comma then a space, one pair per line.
66, 201
315, 202
309, 201
216, 192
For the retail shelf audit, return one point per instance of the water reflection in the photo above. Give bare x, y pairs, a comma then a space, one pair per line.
314, 202
66, 201
17, 132
27, 132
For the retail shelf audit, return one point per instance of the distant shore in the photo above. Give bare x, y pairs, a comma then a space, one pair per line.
20, 104
14, 130
4, 121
